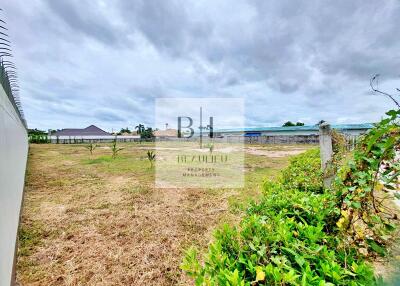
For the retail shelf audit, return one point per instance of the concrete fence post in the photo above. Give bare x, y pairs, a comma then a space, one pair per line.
325, 143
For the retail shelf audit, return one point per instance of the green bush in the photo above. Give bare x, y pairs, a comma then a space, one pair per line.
38, 139
304, 172
286, 239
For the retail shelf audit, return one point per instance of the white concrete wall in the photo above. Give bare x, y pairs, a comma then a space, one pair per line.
13, 157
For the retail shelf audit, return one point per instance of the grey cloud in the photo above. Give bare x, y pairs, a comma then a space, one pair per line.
166, 24
107, 115
283, 40
287, 87
162, 22
292, 59
84, 17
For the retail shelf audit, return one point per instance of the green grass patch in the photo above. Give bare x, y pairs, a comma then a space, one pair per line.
30, 236
104, 159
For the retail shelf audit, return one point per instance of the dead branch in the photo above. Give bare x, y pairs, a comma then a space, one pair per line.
371, 83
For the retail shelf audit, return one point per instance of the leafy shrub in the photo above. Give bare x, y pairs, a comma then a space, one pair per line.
38, 138
287, 239
304, 172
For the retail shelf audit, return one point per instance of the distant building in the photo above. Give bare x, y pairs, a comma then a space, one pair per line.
347, 129
91, 133
266, 135
288, 134
91, 130
126, 133
168, 133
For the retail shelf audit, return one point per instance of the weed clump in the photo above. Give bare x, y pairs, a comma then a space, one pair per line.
151, 156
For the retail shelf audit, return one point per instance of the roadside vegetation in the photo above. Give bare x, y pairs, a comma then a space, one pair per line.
300, 233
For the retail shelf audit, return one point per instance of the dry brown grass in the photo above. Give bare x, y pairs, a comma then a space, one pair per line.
93, 221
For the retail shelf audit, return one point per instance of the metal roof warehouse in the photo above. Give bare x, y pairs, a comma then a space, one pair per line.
348, 129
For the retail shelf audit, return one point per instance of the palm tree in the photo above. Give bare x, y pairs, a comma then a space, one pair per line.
140, 128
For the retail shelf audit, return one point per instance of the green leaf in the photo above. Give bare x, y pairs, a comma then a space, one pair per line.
260, 274
393, 113
376, 247
375, 137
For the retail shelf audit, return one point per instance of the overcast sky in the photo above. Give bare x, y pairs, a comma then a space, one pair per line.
105, 62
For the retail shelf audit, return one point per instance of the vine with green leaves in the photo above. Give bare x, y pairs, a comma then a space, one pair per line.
363, 186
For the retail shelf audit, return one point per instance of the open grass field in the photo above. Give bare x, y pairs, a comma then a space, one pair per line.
94, 220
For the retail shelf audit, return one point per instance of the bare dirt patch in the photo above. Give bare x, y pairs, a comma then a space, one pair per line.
273, 154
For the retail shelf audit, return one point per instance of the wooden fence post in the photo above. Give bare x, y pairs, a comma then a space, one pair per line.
325, 143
